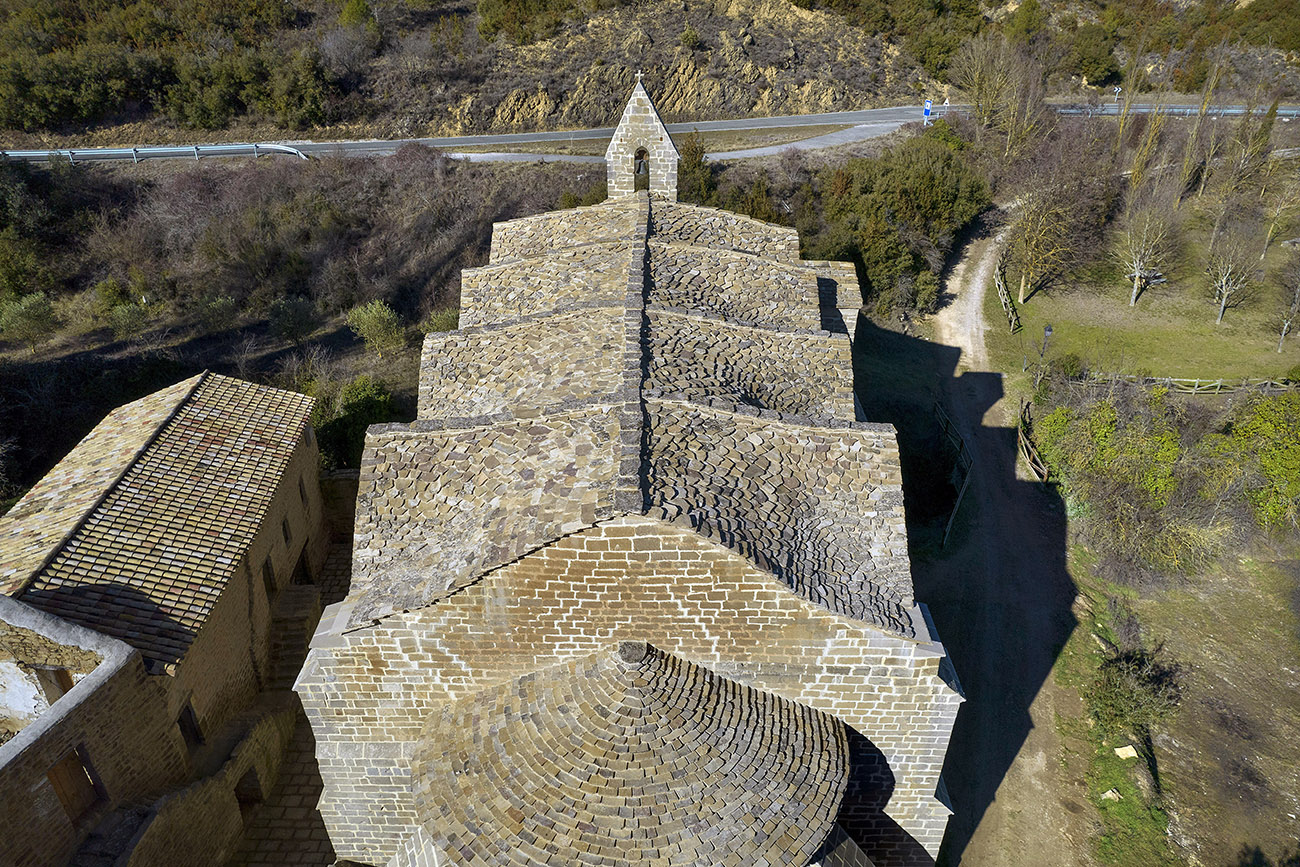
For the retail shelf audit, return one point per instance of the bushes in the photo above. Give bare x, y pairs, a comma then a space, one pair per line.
293, 318
28, 319
341, 420
1134, 690
379, 326
526, 21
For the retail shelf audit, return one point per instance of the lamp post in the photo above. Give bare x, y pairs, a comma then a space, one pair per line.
1047, 332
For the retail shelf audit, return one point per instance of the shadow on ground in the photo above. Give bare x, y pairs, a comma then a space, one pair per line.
999, 591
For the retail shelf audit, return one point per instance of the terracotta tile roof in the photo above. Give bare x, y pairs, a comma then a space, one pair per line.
634, 757
147, 563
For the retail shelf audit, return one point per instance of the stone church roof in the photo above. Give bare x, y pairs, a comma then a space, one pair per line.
137, 531
633, 757
640, 356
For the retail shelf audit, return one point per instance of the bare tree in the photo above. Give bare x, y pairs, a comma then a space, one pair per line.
1192, 163
1231, 269
1146, 238
982, 70
1039, 240
1289, 278
1284, 207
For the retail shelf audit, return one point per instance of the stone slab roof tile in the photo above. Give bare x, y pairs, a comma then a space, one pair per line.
148, 563
38, 523
634, 757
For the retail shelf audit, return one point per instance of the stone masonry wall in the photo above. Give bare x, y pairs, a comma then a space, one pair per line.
611, 221
735, 286
368, 692
481, 371
820, 508
713, 227
805, 373
437, 507
586, 276
640, 127
135, 749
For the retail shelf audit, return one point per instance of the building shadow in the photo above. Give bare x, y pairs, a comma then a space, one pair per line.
998, 590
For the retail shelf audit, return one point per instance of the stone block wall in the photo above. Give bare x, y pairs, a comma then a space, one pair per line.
821, 508
227, 663
485, 370
641, 128
735, 286
368, 692
117, 716
611, 221
576, 277
804, 373
713, 227
439, 505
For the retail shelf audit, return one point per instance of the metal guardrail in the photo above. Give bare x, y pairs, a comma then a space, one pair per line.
1109, 109
153, 152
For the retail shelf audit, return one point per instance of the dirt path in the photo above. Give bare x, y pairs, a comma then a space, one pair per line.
1002, 598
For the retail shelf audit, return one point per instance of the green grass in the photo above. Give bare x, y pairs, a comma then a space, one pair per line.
1171, 331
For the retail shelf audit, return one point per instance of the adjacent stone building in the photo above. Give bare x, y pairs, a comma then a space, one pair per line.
138, 578
634, 587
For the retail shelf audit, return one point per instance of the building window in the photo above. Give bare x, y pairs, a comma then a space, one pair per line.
75, 783
55, 682
284, 531
302, 491
188, 723
268, 577
311, 439
248, 794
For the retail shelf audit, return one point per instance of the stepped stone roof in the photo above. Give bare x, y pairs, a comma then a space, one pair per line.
640, 356
137, 531
634, 757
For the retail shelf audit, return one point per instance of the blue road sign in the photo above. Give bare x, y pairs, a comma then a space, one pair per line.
928, 103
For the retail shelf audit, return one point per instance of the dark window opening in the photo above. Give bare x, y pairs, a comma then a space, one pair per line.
286, 532
302, 491
302, 571
248, 792
641, 169
75, 783
268, 578
189, 726
55, 682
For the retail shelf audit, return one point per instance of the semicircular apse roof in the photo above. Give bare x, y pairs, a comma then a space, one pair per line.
631, 757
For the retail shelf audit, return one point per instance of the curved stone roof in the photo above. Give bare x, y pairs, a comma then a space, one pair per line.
634, 757
634, 357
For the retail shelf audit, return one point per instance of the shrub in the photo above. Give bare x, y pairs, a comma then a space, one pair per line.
360, 403
379, 326
29, 319
128, 320
294, 318
441, 320
927, 291
109, 293
1134, 690
690, 39
218, 312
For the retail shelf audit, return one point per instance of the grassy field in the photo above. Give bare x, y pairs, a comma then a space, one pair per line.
1171, 331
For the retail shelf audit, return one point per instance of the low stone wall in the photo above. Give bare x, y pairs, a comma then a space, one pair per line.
481, 371
735, 286
587, 276
712, 227
800, 373
438, 507
822, 509
610, 221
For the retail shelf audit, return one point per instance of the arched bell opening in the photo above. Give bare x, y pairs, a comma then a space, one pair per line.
641, 169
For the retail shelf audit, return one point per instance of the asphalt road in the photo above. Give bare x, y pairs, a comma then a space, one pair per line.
866, 123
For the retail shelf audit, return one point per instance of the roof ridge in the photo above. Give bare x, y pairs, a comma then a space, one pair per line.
112, 486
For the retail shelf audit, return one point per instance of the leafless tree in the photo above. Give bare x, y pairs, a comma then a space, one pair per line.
1146, 238
1193, 164
1289, 278
1039, 240
1284, 206
1005, 85
1231, 269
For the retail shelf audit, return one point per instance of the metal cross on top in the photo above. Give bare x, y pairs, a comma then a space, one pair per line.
638, 76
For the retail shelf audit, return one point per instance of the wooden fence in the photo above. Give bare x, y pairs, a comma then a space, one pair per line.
964, 463
1025, 444
1188, 386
